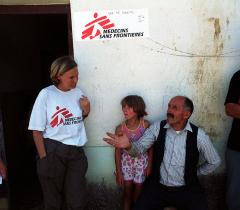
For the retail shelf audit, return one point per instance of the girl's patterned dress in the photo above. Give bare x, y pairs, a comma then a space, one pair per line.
133, 167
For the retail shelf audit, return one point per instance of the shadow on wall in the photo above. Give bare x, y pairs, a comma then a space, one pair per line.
101, 197
215, 188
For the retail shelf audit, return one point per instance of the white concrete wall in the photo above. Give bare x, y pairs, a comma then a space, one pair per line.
193, 50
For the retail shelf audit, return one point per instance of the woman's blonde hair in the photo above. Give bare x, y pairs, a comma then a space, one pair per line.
60, 66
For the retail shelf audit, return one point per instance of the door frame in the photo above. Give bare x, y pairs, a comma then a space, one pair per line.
42, 9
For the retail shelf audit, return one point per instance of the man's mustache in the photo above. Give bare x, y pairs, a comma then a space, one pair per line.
170, 115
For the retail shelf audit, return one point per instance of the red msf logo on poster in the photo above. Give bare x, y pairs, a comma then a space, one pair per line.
103, 22
59, 116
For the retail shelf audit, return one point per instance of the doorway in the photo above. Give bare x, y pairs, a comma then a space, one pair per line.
31, 38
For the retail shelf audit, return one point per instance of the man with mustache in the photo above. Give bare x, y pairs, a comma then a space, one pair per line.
178, 147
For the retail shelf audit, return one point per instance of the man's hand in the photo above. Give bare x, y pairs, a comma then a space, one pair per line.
3, 170
121, 142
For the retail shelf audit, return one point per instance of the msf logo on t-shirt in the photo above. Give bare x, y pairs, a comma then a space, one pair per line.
59, 116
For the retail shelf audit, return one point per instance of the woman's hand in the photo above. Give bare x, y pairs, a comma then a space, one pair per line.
85, 106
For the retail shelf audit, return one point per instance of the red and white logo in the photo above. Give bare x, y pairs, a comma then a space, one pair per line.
59, 116
94, 28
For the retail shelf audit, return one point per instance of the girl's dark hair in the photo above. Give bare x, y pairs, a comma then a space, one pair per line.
137, 103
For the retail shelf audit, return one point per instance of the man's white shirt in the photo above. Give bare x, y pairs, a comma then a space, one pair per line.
173, 164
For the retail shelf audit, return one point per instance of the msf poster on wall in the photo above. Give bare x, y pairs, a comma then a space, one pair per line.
110, 24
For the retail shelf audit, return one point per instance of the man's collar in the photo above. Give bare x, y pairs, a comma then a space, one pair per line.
187, 127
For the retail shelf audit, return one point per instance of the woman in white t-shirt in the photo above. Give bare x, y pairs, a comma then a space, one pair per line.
59, 135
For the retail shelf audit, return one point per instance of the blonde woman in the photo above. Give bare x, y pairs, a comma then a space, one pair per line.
59, 135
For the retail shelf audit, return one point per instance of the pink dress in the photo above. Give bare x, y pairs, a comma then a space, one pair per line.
133, 167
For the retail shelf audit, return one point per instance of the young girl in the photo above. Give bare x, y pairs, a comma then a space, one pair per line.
131, 171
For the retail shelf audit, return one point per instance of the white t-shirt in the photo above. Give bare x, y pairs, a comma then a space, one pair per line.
59, 116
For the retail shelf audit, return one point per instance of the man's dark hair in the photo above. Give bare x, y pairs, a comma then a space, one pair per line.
188, 104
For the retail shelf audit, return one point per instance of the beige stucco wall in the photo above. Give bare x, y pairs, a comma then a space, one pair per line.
32, 2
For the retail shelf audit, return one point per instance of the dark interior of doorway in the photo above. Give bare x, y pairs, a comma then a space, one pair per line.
29, 43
